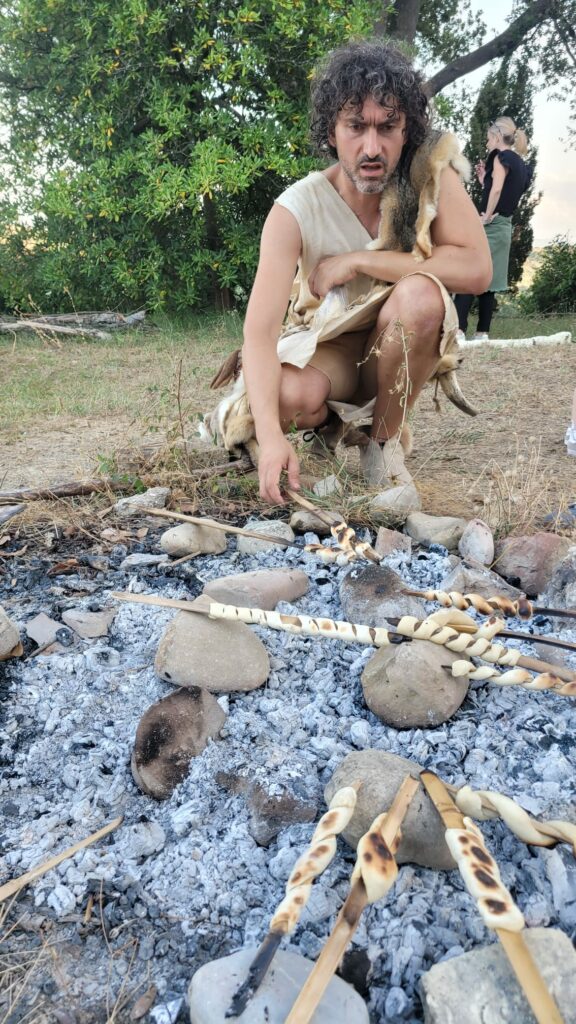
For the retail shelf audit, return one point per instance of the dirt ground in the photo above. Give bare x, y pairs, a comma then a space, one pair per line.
508, 464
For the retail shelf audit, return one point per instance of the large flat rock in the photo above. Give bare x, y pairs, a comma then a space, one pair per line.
480, 987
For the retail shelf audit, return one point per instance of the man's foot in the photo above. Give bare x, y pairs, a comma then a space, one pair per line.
480, 336
460, 336
383, 466
570, 440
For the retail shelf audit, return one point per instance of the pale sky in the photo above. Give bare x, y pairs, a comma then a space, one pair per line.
556, 170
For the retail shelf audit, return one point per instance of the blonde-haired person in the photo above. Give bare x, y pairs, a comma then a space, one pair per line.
505, 176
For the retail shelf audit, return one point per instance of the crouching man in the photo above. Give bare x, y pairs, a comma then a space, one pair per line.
385, 233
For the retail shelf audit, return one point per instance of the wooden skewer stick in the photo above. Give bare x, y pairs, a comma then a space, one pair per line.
476, 646
407, 628
302, 625
347, 553
343, 534
312, 863
499, 912
9, 888
374, 873
164, 513
512, 634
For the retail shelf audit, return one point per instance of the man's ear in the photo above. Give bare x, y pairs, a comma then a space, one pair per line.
332, 139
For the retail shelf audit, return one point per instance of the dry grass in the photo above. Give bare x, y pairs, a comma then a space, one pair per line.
125, 407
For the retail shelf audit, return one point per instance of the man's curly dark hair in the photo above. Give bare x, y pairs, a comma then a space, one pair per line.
363, 69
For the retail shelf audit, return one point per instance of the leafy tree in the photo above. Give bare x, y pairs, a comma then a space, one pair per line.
149, 140
145, 141
508, 92
553, 288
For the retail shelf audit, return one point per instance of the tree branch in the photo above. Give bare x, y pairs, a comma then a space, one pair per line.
501, 46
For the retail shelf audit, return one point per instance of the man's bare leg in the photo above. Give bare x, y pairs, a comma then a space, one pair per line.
405, 341
303, 395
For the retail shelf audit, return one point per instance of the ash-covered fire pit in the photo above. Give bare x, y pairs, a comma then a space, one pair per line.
122, 927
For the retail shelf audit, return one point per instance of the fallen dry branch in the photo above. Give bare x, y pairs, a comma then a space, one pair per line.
374, 874
69, 489
16, 884
312, 863
481, 876
38, 327
107, 318
10, 511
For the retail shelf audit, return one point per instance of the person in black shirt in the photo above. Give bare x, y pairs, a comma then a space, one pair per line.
505, 176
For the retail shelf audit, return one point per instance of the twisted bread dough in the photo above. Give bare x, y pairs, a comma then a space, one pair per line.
375, 863
474, 646
453, 599
515, 677
485, 804
314, 860
482, 878
302, 624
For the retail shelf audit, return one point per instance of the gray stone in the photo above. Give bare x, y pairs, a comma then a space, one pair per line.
390, 542
140, 560
191, 539
531, 560
328, 486
214, 654
477, 543
263, 588
302, 521
89, 624
560, 591
270, 527
373, 594
467, 579
425, 529
409, 687
269, 812
169, 734
395, 504
381, 775
42, 629
213, 986
154, 497
480, 987
9, 635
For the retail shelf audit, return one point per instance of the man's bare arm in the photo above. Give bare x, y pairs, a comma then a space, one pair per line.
460, 256
279, 252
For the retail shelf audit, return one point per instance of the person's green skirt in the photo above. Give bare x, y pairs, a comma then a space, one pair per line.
499, 234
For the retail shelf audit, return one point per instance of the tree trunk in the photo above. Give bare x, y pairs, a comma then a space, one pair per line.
501, 46
406, 18
221, 296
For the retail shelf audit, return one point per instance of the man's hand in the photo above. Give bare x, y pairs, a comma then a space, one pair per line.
330, 272
487, 219
275, 456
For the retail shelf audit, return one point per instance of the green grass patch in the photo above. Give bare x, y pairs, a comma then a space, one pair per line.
133, 374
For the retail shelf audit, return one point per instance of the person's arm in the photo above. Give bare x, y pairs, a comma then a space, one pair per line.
460, 255
279, 252
499, 172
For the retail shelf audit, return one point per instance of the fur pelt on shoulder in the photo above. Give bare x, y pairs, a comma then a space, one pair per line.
410, 202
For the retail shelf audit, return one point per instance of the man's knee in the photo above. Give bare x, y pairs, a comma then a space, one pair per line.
417, 304
302, 392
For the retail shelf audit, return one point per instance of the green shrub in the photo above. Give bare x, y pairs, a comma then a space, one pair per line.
553, 289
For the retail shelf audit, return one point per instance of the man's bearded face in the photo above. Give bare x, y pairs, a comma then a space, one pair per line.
369, 143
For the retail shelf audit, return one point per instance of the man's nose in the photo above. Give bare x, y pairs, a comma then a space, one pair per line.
372, 143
